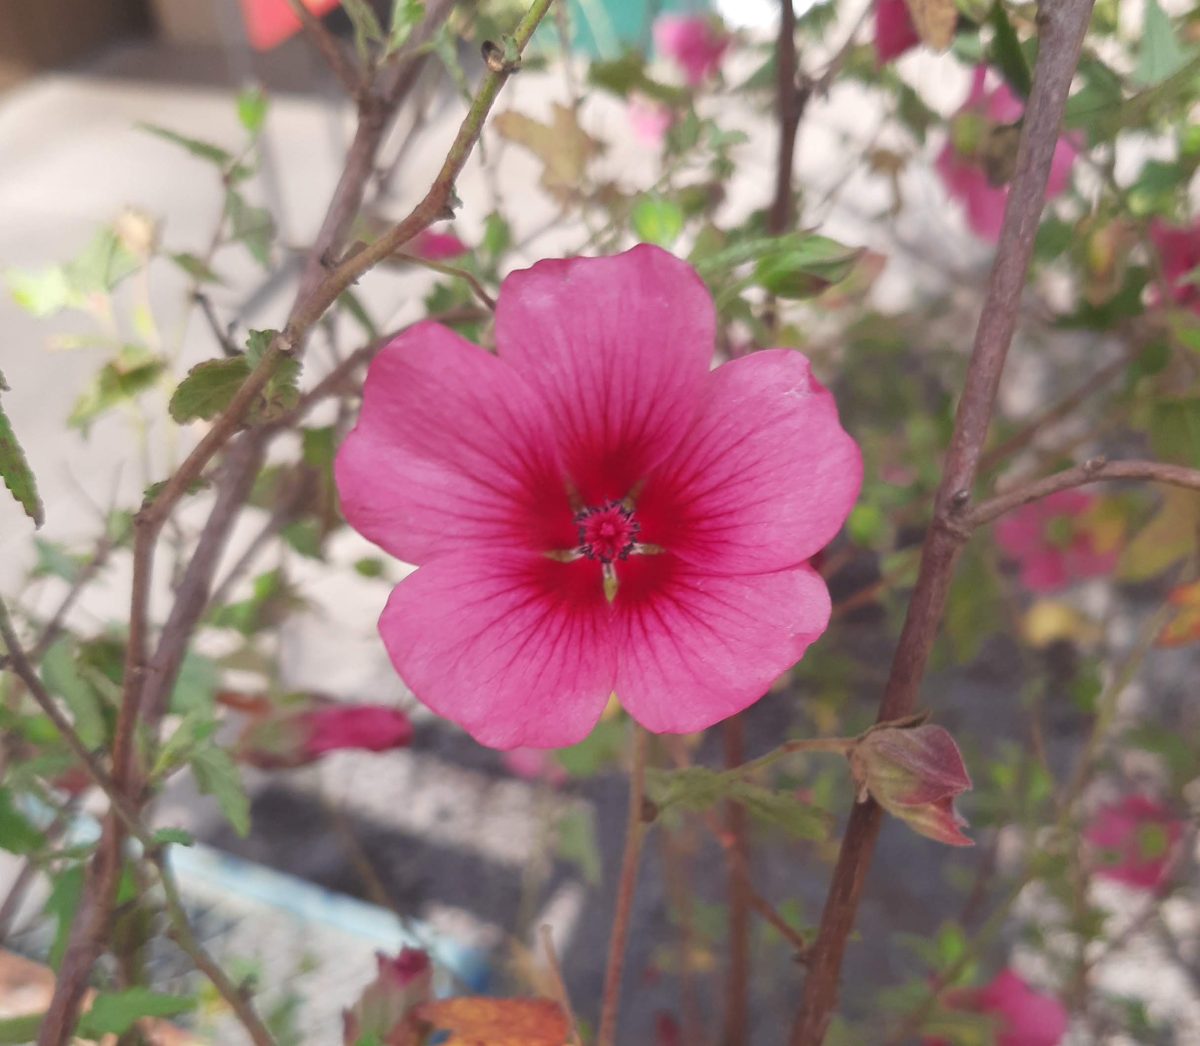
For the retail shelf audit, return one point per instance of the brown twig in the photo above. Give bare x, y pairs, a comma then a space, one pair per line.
635, 832
562, 996
1063, 24
347, 72
790, 102
1094, 470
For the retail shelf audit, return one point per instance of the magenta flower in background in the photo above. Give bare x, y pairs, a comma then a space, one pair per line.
979, 180
894, 30
300, 736
695, 43
1024, 1017
650, 120
1179, 254
1052, 542
1134, 842
438, 246
592, 509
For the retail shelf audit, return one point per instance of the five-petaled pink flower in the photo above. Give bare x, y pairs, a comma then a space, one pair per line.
695, 43
977, 159
438, 246
1135, 841
1179, 255
592, 509
1024, 1017
894, 30
1053, 542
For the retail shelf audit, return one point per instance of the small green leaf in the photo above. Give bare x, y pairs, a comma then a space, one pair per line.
17, 834
657, 220
806, 268
196, 685
406, 16
15, 1031
1161, 54
62, 677
175, 836
1008, 54
252, 226
781, 810
40, 292
367, 29
196, 267
252, 109
65, 895
114, 1013
217, 775
208, 389
134, 370
369, 566
1175, 430
203, 150
15, 471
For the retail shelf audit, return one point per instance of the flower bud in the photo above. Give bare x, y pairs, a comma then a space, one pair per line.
914, 773
299, 736
400, 984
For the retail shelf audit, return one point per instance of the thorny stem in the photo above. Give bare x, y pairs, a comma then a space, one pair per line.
635, 832
1063, 24
318, 291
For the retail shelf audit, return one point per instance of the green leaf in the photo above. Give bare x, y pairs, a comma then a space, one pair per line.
194, 729
14, 1031
62, 904
252, 226
628, 74
577, 843
102, 265
367, 29
17, 834
196, 685
252, 109
114, 1013
803, 269
204, 150
132, 372
15, 471
657, 220
370, 566
62, 677
781, 810
1175, 430
598, 751
173, 836
208, 389
406, 16
1006, 49
217, 775
1161, 54
196, 267
41, 292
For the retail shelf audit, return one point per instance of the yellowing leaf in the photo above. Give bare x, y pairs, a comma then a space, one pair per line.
477, 1021
563, 146
1049, 621
1165, 540
1184, 625
935, 21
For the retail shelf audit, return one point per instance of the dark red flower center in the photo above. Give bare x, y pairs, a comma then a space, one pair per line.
607, 532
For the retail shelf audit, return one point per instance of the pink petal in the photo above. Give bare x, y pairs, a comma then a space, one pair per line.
1060, 167
894, 30
695, 648
1028, 1018
1003, 106
437, 246
967, 182
452, 450
692, 43
515, 648
618, 348
764, 479
1045, 570
372, 728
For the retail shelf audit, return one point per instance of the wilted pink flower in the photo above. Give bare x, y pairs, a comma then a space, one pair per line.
1024, 1017
695, 43
299, 736
650, 120
915, 773
400, 984
1134, 841
976, 162
894, 30
535, 764
1179, 254
594, 510
437, 246
1051, 541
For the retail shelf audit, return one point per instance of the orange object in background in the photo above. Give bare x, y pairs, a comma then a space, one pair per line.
270, 22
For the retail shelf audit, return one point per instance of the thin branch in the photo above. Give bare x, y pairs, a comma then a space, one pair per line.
635, 831
451, 270
1063, 24
1094, 470
790, 103
562, 997
347, 72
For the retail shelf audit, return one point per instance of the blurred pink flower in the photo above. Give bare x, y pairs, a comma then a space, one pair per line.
695, 43
975, 172
650, 120
535, 764
1179, 253
437, 246
593, 509
1135, 841
299, 736
1024, 1017
400, 984
1053, 544
894, 30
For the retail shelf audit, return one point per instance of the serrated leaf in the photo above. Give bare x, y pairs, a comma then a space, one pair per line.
204, 150
806, 268
562, 146
62, 904
18, 477
217, 775
208, 389
61, 675
114, 1013
122, 379
781, 810
1161, 54
17, 833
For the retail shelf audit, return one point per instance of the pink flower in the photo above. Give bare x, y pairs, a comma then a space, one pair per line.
915, 773
976, 161
1179, 253
650, 120
693, 42
1053, 544
894, 30
1025, 1017
381, 1013
1135, 842
535, 764
592, 509
300, 736
437, 246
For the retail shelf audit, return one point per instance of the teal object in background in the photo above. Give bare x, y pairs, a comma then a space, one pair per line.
607, 28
